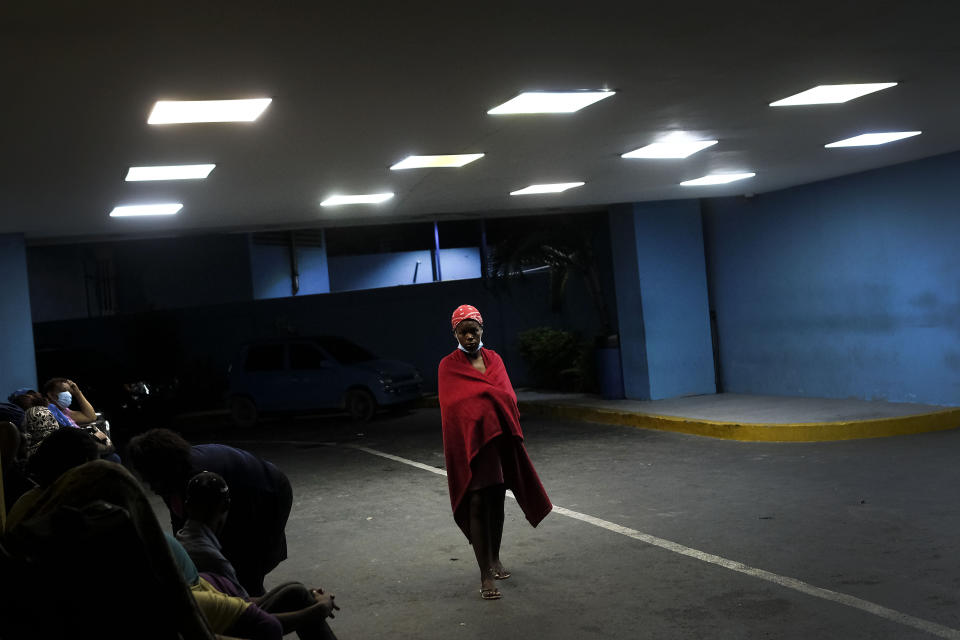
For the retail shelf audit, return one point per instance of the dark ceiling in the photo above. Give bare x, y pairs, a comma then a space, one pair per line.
359, 86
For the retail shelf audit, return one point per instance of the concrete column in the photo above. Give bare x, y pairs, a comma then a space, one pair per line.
633, 344
662, 305
16, 344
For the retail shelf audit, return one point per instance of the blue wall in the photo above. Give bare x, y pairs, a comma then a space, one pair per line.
669, 298
58, 284
16, 348
371, 271
843, 288
181, 272
376, 270
270, 270
67, 281
461, 263
314, 270
626, 274
200, 342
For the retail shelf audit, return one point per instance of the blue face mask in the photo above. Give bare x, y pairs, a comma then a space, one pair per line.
479, 346
64, 398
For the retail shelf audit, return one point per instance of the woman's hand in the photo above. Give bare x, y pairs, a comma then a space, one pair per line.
85, 412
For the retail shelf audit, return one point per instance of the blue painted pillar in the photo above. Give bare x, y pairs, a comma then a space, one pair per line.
314, 267
662, 305
19, 366
633, 344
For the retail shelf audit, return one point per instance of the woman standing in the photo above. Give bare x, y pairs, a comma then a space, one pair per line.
483, 447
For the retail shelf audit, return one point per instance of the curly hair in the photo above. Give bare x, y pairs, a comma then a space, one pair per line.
161, 457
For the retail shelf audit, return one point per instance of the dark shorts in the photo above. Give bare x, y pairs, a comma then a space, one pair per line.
256, 624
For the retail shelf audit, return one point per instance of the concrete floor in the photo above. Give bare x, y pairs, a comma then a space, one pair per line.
872, 519
746, 408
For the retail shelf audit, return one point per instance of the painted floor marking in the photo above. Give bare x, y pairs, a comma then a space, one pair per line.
893, 615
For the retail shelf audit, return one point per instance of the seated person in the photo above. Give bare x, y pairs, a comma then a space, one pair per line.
252, 537
10, 412
63, 450
206, 507
61, 393
97, 559
234, 616
38, 422
207, 504
15, 480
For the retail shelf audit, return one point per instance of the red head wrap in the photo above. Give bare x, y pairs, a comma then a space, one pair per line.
465, 312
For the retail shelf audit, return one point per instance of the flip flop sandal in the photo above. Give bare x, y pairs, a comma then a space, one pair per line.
501, 575
490, 594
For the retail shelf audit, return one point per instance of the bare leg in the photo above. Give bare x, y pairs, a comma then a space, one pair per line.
480, 538
496, 498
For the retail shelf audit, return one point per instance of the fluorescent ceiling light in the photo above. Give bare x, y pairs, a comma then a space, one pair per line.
420, 162
546, 188
832, 94
172, 172
166, 209
363, 198
871, 139
181, 111
717, 178
670, 149
550, 102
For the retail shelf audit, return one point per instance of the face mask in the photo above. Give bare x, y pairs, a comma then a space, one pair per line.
64, 398
479, 346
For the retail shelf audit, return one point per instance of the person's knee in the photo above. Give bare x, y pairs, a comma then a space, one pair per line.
477, 503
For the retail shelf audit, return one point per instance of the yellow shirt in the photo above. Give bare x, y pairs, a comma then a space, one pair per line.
22, 506
220, 609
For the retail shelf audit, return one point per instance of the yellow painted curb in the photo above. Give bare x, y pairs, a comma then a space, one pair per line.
752, 432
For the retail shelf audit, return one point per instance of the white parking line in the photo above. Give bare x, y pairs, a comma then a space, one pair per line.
933, 628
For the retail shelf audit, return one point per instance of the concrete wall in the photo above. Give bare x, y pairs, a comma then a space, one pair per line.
89, 280
270, 271
461, 263
844, 288
16, 348
349, 273
271, 275
59, 287
626, 274
662, 299
407, 323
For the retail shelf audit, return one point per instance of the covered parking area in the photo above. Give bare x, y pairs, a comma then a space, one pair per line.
655, 534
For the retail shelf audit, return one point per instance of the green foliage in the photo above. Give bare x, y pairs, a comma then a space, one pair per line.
556, 359
565, 249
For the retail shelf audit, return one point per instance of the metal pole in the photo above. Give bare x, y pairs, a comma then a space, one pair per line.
436, 252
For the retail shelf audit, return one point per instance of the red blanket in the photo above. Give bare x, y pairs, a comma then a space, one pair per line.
475, 408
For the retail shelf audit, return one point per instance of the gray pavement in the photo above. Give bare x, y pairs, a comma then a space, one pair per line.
872, 519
